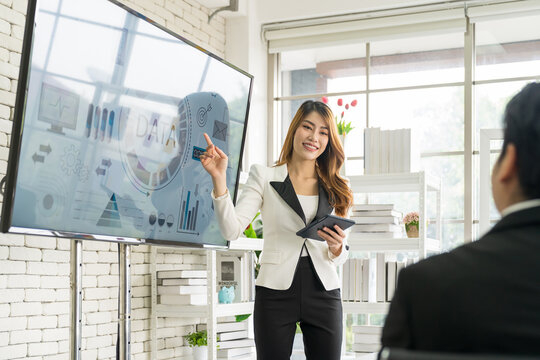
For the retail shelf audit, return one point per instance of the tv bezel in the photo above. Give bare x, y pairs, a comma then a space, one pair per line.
10, 178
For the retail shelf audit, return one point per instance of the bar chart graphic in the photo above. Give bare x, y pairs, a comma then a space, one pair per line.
189, 210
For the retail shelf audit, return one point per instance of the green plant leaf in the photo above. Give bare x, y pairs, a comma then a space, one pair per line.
242, 317
250, 233
197, 338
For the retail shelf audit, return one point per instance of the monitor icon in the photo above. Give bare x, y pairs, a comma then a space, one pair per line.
58, 107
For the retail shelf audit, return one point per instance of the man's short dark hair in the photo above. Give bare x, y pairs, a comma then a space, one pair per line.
522, 128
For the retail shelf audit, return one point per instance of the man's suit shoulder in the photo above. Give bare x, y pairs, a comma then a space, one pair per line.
451, 267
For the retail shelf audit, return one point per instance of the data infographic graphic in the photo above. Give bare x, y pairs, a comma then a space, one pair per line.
114, 116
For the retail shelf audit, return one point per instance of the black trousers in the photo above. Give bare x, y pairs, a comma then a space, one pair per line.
306, 301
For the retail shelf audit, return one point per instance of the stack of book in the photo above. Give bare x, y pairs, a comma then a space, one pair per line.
182, 287
232, 338
367, 338
371, 280
376, 221
390, 151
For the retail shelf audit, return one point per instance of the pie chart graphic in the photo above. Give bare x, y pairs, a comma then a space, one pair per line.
161, 219
153, 146
170, 221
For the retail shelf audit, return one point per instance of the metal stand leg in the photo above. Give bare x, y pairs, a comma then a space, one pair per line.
76, 300
211, 335
124, 312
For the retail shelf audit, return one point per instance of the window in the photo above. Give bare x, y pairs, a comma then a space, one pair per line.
418, 82
507, 58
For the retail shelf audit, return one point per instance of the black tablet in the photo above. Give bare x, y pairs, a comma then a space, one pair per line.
329, 221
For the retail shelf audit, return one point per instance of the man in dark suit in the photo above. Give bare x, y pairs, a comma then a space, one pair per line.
484, 296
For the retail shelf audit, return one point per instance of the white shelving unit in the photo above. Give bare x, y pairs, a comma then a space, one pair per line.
418, 182
212, 310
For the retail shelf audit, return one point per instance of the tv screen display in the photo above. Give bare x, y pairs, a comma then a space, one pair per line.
109, 121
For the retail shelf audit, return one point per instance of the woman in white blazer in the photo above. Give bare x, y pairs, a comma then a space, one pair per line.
297, 281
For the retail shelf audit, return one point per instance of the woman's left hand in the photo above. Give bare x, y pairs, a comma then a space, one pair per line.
334, 238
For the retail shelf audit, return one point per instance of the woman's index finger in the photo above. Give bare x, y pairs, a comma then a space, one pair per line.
207, 138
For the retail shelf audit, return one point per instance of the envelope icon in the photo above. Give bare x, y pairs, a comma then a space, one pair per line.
220, 130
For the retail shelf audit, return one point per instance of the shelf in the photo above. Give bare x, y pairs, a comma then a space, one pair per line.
202, 310
399, 182
235, 309
243, 243
365, 307
359, 356
394, 244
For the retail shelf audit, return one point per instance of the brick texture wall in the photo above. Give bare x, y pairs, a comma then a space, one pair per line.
34, 271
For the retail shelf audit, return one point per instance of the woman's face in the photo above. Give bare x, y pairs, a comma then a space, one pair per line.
310, 138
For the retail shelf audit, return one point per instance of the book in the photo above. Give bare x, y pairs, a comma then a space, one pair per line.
383, 150
381, 277
377, 235
352, 279
367, 329
374, 219
232, 335
168, 274
399, 265
188, 281
372, 207
235, 343
394, 213
224, 319
367, 153
366, 347
358, 280
375, 227
368, 280
390, 279
229, 326
233, 353
197, 299
181, 290
345, 279
359, 338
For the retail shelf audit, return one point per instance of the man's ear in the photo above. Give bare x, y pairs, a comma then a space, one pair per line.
508, 164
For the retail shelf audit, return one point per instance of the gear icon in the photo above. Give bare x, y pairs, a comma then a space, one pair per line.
70, 162
83, 173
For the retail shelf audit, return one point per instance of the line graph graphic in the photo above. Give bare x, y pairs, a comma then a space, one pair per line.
58, 107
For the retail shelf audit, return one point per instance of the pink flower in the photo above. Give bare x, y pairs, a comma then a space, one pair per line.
347, 106
342, 113
411, 217
324, 99
354, 102
340, 102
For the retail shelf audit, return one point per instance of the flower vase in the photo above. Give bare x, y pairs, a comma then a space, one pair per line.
412, 231
343, 171
200, 353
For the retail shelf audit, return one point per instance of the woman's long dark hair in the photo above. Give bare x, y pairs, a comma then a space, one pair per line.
329, 163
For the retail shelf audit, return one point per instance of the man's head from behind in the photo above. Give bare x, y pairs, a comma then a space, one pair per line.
516, 175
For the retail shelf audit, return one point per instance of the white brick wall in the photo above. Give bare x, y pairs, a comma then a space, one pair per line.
34, 270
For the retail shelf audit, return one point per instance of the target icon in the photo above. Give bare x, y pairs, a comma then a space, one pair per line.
201, 116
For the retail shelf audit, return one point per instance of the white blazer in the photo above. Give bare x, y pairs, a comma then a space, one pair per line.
270, 190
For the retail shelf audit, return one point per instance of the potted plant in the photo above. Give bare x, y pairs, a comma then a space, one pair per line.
342, 127
411, 221
197, 340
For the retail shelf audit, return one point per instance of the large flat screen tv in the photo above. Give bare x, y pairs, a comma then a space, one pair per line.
109, 120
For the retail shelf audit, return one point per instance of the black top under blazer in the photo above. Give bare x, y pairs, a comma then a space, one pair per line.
482, 297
